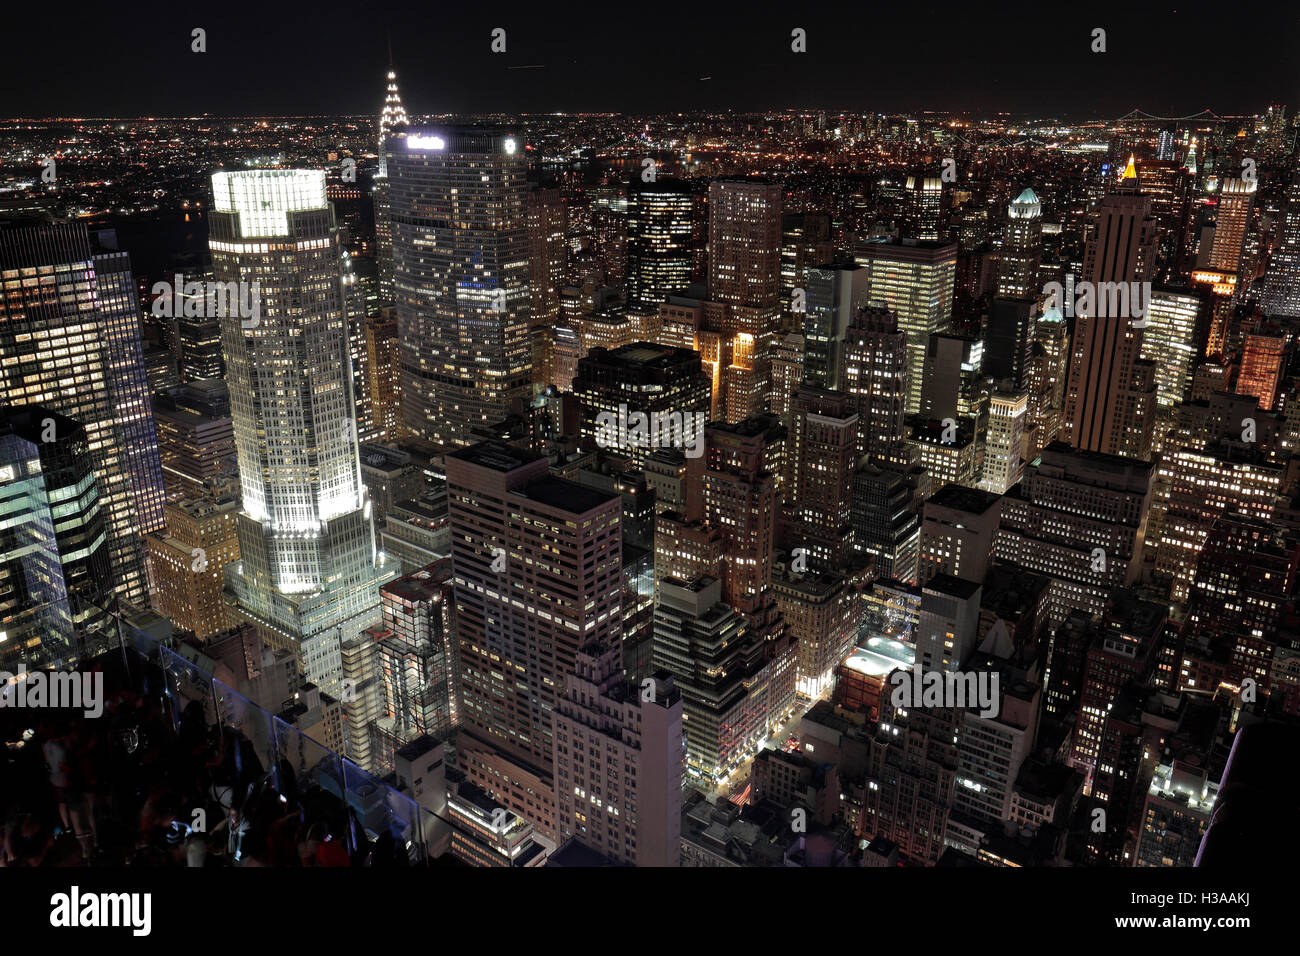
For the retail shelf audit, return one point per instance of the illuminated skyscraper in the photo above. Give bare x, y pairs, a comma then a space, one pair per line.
1235, 199
1169, 185
1176, 320
958, 526
1126, 651
910, 779
309, 571
608, 212
392, 123
384, 366
417, 653
1241, 593
787, 373
659, 248
70, 340
736, 686
1192, 488
745, 243
187, 561
1179, 803
743, 464
196, 439
925, 214
546, 219
686, 548
392, 119
538, 572
834, 295
1004, 444
1022, 247
1080, 518
915, 280
874, 362
1110, 393
620, 761
55, 574
1262, 360
1048, 370
653, 380
821, 454
460, 261
885, 523
805, 242
745, 276
356, 309
1282, 280
200, 347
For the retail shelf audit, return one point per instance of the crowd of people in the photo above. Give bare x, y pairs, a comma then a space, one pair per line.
133, 787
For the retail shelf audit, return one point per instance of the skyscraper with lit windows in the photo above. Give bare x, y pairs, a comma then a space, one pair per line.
55, 574
915, 280
70, 340
1282, 279
1022, 247
392, 123
1263, 359
1080, 518
1004, 445
1236, 196
538, 573
1110, 393
659, 250
547, 254
1176, 321
461, 275
874, 363
745, 275
309, 571
925, 219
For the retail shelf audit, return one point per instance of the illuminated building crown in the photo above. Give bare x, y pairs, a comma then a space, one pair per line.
393, 118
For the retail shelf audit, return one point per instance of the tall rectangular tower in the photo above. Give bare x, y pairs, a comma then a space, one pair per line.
1110, 393
745, 242
835, 292
461, 277
874, 373
1022, 247
618, 772
55, 574
659, 233
309, 571
537, 569
745, 276
1236, 196
822, 450
70, 340
741, 493
915, 281
1282, 279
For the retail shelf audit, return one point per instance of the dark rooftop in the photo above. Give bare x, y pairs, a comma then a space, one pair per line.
496, 455
957, 587
568, 495
970, 500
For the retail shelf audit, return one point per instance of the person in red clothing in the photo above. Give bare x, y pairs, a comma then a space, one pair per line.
331, 852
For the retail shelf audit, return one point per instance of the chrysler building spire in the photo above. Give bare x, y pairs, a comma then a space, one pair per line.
393, 117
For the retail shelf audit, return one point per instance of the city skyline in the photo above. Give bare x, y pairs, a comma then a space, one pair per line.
789, 488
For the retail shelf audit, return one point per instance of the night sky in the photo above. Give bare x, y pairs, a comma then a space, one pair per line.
134, 59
